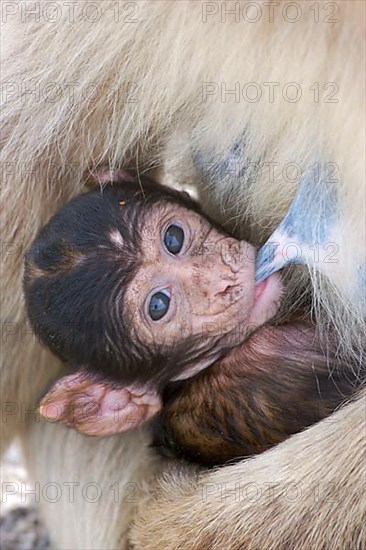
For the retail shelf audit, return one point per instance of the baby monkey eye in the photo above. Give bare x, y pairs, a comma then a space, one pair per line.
174, 238
159, 305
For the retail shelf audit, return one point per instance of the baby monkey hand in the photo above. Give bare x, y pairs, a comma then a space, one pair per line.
92, 406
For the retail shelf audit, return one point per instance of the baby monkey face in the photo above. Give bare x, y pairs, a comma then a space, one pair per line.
195, 281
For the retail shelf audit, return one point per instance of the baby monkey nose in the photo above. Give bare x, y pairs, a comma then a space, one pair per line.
222, 287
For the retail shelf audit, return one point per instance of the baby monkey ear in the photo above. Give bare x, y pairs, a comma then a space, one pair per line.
108, 175
95, 406
104, 175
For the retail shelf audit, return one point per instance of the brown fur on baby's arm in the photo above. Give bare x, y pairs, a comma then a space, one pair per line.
275, 384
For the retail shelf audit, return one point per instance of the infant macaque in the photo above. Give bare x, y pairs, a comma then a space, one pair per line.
136, 291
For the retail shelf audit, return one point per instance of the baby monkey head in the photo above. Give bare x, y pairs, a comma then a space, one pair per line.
133, 286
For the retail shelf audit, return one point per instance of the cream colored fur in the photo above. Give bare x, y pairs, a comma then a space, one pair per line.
295, 495
46, 147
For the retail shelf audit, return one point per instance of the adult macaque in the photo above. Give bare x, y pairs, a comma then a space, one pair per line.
134, 288
149, 84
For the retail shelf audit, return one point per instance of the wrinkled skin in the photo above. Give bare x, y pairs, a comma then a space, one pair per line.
211, 282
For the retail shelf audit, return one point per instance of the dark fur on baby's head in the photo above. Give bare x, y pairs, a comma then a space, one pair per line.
76, 273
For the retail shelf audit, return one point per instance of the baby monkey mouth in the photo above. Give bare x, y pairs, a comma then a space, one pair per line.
259, 289
267, 299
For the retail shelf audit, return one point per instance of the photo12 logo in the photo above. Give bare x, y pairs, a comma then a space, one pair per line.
270, 92
70, 11
270, 12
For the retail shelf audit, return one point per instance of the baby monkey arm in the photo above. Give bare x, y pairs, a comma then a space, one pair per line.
277, 383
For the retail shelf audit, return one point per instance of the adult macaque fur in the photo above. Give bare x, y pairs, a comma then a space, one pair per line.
46, 146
